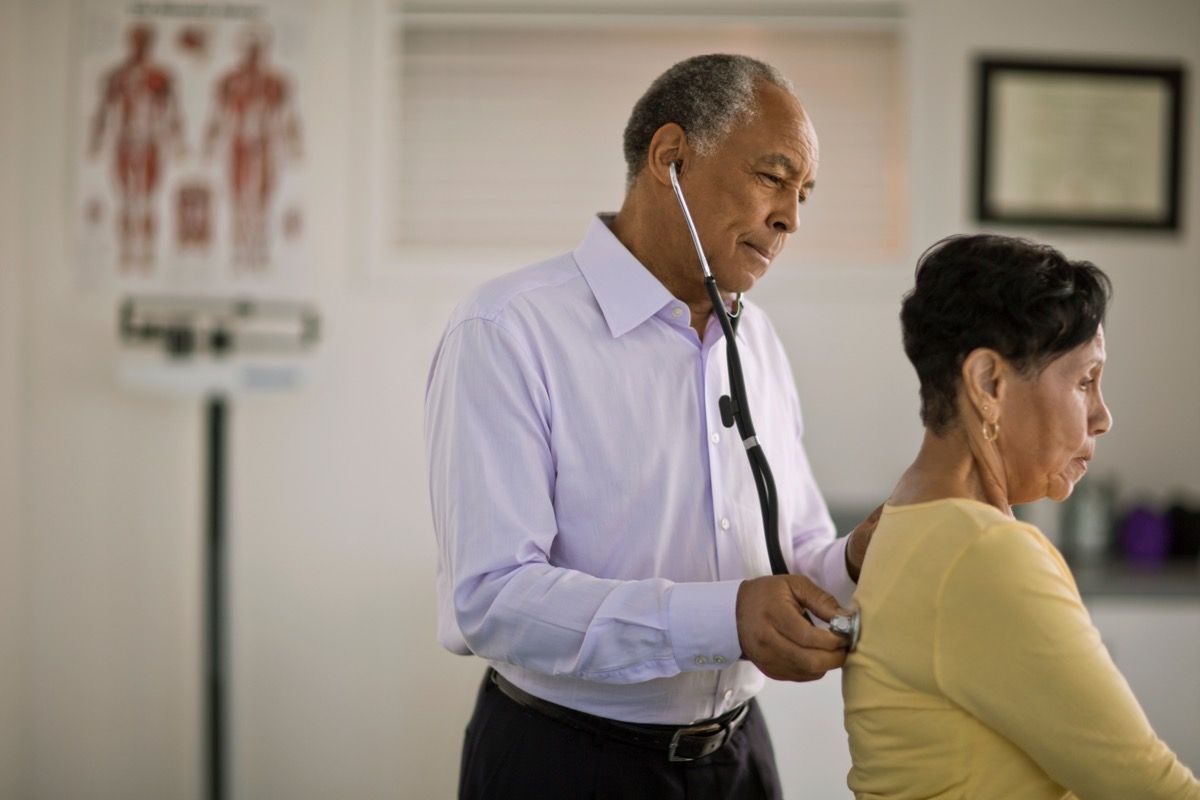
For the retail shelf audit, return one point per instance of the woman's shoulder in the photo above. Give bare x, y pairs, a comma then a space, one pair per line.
1013, 541
977, 542
955, 518
1008, 561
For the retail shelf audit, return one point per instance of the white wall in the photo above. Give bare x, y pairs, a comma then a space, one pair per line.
111, 500
339, 687
13, 675
859, 392
860, 396
1153, 328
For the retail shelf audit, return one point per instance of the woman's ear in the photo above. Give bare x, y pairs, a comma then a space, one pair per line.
668, 146
984, 378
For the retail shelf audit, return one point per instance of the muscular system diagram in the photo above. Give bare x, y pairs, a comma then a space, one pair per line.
254, 116
193, 167
138, 103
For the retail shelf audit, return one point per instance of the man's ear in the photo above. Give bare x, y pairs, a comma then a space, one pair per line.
984, 380
668, 146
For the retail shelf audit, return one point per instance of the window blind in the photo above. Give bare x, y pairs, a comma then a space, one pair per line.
508, 130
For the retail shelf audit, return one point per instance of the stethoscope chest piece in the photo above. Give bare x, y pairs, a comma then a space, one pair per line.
848, 627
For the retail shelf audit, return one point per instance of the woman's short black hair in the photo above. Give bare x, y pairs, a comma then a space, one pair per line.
1024, 300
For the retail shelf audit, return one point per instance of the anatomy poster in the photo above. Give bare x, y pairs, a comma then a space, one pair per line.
191, 145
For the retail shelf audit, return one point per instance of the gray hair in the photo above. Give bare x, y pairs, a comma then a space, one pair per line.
706, 95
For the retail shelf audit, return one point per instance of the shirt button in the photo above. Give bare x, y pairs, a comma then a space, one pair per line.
728, 695
677, 312
724, 523
718, 659
716, 437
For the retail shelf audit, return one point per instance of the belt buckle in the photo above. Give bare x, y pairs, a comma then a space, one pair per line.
696, 730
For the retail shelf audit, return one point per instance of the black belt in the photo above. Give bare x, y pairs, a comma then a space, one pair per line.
685, 743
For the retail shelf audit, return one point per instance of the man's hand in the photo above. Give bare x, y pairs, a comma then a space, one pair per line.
860, 538
775, 635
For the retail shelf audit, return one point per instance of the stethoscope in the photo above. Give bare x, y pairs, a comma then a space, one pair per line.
735, 410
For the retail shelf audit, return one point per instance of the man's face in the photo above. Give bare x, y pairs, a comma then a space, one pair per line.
745, 195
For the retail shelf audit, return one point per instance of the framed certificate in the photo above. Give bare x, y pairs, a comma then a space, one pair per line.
1079, 143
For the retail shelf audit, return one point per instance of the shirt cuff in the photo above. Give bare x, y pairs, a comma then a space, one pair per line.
833, 575
703, 624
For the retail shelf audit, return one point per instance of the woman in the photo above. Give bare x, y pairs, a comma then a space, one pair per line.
979, 673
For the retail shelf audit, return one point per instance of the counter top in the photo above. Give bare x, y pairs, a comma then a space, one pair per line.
1123, 579
1102, 580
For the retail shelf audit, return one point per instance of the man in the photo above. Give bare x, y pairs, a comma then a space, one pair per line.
599, 529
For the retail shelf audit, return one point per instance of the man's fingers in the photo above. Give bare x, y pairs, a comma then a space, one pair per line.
797, 662
818, 662
792, 626
860, 541
776, 635
814, 598
783, 659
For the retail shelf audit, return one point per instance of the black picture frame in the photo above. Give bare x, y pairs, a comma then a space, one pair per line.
1079, 143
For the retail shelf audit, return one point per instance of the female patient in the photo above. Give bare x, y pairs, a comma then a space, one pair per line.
979, 674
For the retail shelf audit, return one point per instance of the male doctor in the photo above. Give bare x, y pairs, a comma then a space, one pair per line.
601, 544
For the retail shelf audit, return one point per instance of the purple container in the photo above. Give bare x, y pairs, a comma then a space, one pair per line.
1145, 536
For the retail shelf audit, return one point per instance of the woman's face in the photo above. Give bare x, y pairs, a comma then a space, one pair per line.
1049, 424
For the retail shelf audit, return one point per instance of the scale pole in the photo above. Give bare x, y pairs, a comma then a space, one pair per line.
203, 332
216, 413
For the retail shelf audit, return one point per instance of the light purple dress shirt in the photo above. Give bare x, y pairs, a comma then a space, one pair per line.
594, 516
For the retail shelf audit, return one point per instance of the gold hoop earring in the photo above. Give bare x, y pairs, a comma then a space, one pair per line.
990, 430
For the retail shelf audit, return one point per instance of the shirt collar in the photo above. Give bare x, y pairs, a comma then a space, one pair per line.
627, 292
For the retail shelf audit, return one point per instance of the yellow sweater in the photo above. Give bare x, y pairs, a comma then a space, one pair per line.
979, 673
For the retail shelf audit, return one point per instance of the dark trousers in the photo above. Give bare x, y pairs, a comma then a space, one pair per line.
513, 753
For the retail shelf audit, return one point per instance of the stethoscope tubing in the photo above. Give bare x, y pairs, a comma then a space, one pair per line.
764, 479
739, 414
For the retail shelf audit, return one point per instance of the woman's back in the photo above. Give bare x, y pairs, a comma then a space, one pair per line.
979, 674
